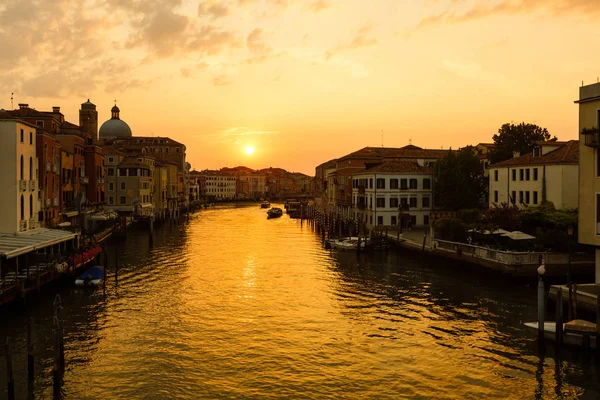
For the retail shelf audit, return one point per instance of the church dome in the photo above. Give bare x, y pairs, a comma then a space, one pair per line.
114, 127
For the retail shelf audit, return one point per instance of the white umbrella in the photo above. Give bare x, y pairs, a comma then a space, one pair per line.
518, 235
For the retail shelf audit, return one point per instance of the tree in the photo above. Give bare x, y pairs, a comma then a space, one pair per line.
458, 181
519, 138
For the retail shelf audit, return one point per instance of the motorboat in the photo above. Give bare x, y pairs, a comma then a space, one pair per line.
93, 277
274, 212
265, 204
348, 243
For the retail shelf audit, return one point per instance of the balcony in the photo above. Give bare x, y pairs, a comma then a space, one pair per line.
32, 223
23, 185
592, 137
47, 167
48, 202
23, 225
85, 180
361, 190
32, 185
56, 202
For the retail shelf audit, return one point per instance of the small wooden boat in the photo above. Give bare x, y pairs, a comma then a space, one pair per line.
274, 212
265, 204
93, 277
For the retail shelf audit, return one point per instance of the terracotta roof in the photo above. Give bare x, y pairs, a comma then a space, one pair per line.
409, 151
567, 153
399, 166
69, 125
490, 145
551, 143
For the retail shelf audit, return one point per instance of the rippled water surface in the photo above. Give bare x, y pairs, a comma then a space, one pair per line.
232, 305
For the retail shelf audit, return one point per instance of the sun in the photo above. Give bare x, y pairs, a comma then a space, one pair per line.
249, 150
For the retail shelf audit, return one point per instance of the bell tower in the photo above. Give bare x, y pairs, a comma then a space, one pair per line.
88, 119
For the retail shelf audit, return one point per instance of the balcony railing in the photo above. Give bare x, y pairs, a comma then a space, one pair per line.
85, 180
48, 202
47, 167
23, 225
32, 223
56, 202
23, 185
32, 185
592, 137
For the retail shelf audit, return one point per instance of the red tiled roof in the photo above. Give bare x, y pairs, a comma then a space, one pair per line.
400, 166
567, 153
409, 151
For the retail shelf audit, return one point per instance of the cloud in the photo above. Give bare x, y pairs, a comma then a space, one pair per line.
214, 8
362, 38
509, 7
210, 40
221, 80
260, 51
318, 5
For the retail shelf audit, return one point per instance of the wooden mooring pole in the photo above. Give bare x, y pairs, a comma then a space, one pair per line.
10, 381
559, 317
541, 308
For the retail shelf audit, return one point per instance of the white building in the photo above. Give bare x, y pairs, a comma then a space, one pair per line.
551, 166
19, 196
219, 186
392, 191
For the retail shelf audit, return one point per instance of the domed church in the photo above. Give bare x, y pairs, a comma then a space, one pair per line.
114, 127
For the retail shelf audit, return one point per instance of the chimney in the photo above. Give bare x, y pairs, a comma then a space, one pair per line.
56, 109
23, 105
516, 154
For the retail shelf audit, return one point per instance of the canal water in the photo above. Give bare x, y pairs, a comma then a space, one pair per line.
230, 305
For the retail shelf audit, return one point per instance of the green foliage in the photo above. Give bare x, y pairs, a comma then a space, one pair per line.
470, 216
458, 181
521, 138
549, 225
503, 216
452, 229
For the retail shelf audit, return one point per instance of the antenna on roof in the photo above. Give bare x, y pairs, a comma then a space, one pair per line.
409, 141
11, 101
382, 138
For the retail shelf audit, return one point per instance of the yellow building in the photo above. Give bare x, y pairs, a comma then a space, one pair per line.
160, 190
589, 168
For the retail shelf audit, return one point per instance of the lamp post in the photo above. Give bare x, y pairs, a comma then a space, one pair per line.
569, 283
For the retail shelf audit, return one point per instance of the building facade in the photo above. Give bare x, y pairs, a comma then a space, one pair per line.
393, 193
550, 172
19, 196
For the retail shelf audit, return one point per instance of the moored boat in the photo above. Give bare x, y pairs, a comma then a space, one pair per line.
91, 278
265, 204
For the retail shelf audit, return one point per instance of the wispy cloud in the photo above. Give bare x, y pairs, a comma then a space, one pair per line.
362, 38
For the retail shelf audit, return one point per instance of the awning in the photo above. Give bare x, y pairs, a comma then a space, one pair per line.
518, 235
146, 205
12, 245
98, 217
64, 224
71, 214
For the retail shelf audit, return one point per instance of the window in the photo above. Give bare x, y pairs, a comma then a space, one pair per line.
521, 174
404, 203
22, 136
22, 166
394, 221
111, 200
495, 196
426, 220
370, 202
122, 200
371, 220
413, 183
413, 220
393, 184
370, 183
380, 183
22, 208
393, 203
122, 185
413, 202
527, 174
379, 220
514, 174
535, 174
40, 124
513, 197
111, 186
535, 197
30, 206
598, 162
110, 171
425, 202
30, 168
527, 197
520, 196
426, 183
30, 137
381, 202
403, 184
496, 175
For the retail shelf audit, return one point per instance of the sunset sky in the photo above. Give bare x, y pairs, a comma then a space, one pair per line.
303, 81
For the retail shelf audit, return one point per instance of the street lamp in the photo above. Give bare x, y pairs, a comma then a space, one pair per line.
569, 283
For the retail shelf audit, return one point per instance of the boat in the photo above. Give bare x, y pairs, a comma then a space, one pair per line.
349, 243
569, 338
274, 212
265, 204
91, 278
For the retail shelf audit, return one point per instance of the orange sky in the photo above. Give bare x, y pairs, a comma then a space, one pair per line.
308, 80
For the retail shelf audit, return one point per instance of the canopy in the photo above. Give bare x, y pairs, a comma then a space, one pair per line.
488, 232
518, 235
64, 224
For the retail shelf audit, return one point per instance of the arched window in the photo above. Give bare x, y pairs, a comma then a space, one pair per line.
22, 167
30, 168
30, 206
22, 206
